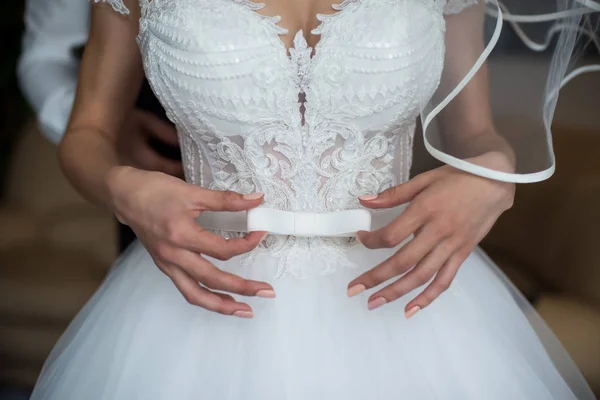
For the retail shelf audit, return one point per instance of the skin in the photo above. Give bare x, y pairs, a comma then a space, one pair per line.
161, 209
449, 213
134, 146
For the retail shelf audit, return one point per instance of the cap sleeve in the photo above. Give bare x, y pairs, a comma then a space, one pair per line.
117, 5
456, 6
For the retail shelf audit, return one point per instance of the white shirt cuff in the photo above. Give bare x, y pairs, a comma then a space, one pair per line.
55, 113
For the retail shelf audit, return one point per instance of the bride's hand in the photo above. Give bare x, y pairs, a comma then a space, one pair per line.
161, 210
450, 212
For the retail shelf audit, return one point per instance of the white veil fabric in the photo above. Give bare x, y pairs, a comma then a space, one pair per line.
553, 35
559, 41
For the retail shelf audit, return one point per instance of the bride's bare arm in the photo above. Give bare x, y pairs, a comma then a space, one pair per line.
109, 81
161, 209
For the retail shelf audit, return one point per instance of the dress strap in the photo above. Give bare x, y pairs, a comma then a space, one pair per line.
117, 5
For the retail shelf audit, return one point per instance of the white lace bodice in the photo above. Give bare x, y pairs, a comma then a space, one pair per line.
312, 129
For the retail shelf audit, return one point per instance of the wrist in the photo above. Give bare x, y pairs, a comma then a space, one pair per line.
496, 160
117, 180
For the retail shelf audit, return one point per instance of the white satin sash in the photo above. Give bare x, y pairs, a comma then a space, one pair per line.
343, 223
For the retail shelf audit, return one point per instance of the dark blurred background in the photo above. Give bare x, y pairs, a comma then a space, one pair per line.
13, 108
55, 248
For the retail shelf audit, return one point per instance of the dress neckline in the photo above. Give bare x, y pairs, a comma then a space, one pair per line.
299, 44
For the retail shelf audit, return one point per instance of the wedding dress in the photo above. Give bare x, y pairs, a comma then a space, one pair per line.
232, 88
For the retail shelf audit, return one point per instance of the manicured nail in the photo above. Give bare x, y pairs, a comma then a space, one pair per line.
357, 238
367, 197
356, 289
412, 311
253, 196
243, 314
376, 303
266, 293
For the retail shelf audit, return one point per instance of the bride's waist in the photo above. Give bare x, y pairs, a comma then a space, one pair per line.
344, 223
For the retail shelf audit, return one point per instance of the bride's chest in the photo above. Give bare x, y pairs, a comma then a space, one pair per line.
369, 52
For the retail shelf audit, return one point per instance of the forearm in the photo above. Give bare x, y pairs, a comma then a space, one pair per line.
485, 141
109, 81
89, 159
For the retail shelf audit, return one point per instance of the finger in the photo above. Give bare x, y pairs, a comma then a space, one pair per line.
391, 235
404, 259
158, 128
422, 273
442, 281
145, 157
192, 236
201, 297
213, 278
225, 249
170, 167
400, 194
177, 170
215, 200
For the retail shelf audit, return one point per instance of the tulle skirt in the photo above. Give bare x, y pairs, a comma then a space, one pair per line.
138, 338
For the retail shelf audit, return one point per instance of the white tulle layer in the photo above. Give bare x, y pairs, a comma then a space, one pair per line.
138, 339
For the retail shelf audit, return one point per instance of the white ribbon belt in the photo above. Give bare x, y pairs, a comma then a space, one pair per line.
299, 223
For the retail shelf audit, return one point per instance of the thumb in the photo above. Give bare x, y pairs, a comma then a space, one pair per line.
217, 200
400, 194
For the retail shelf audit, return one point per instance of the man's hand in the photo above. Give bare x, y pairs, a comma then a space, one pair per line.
134, 144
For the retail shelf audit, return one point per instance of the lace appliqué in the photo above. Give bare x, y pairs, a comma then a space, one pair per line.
286, 162
312, 130
117, 5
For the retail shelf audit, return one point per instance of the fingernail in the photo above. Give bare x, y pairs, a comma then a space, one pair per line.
412, 311
357, 238
368, 197
267, 294
243, 314
252, 196
378, 302
356, 289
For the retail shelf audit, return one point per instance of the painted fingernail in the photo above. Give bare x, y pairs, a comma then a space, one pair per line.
357, 238
412, 311
376, 303
368, 197
243, 314
356, 289
266, 293
253, 196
